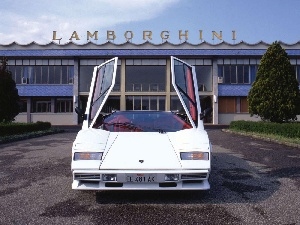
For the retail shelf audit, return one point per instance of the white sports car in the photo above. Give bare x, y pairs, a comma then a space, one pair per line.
142, 150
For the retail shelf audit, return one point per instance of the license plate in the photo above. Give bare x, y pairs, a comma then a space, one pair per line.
141, 178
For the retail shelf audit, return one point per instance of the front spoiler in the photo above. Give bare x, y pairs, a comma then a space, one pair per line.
92, 180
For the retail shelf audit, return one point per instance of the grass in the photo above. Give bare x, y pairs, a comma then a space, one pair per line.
294, 142
24, 136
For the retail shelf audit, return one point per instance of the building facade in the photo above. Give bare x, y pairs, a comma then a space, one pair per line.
52, 79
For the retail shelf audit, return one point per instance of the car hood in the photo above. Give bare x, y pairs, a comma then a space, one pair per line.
141, 151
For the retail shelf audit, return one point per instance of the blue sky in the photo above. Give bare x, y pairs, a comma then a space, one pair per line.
25, 21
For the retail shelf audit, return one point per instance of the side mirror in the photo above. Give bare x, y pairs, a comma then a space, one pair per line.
79, 112
205, 113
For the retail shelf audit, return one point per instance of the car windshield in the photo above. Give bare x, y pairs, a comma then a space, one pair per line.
142, 121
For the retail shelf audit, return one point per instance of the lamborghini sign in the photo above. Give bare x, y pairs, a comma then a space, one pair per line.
146, 34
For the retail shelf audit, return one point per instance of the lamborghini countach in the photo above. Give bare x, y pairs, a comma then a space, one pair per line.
142, 149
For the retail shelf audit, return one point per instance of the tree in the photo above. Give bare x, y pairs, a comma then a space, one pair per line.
274, 95
9, 97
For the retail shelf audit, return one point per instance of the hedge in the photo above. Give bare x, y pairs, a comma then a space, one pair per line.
289, 130
7, 129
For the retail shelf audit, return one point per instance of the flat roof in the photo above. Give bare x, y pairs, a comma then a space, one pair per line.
129, 49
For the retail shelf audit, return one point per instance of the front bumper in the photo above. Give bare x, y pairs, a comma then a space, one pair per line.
187, 180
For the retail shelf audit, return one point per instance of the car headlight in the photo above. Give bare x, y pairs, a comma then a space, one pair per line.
194, 155
88, 156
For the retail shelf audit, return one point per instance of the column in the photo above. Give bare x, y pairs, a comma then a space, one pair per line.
75, 90
122, 88
168, 84
215, 92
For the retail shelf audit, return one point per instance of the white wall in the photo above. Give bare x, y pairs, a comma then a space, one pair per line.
21, 118
226, 118
53, 118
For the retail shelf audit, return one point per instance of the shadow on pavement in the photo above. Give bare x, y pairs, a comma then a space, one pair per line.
232, 180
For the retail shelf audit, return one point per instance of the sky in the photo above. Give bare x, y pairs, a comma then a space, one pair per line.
250, 21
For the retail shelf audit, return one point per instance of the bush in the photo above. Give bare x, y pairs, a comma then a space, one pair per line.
275, 95
9, 96
288, 130
7, 129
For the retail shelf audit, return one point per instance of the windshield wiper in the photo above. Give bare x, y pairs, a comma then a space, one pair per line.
161, 131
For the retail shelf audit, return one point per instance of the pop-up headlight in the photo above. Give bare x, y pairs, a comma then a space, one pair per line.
88, 156
194, 156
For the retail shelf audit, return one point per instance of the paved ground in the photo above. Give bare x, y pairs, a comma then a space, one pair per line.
253, 182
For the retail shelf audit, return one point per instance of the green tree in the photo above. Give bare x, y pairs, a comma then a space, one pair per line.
274, 95
9, 97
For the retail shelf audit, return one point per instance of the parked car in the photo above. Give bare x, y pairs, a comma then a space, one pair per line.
142, 150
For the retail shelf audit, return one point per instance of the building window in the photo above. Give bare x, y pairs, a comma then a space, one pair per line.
112, 103
41, 105
145, 75
59, 75
85, 78
67, 75
42, 74
64, 105
23, 105
28, 75
253, 71
203, 74
16, 72
205, 102
232, 75
44, 70
204, 78
237, 74
86, 74
243, 74
176, 104
117, 86
38, 75
145, 103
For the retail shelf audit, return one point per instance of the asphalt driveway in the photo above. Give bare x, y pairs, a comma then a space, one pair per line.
252, 182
